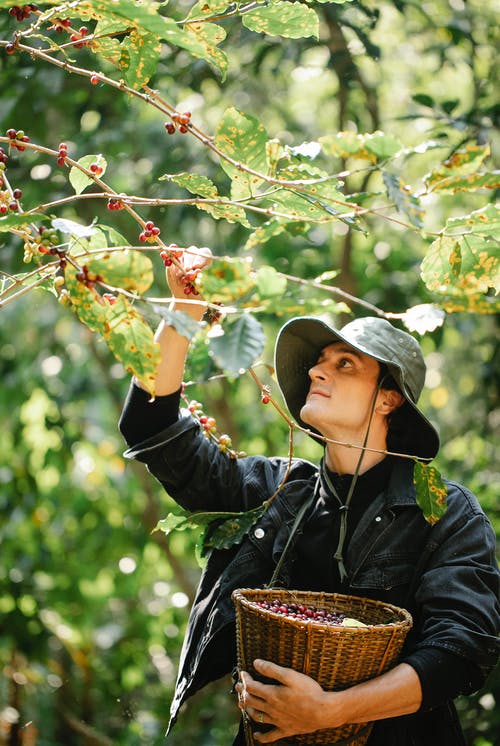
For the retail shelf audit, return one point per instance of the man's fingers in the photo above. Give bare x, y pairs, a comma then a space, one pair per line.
273, 671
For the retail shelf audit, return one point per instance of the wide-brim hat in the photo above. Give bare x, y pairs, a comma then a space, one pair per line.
301, 340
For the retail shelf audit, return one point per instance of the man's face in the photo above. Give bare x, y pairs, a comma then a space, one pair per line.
343, 383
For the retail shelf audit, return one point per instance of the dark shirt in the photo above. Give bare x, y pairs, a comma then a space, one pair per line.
442, 674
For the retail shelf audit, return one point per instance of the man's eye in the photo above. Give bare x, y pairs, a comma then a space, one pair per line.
345, 363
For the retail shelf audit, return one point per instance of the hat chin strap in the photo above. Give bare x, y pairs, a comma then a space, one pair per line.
344, 507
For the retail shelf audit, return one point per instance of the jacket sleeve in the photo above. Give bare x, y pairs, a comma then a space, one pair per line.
191, 468
457, 597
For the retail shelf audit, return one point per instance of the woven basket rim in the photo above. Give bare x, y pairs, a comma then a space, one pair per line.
403, 616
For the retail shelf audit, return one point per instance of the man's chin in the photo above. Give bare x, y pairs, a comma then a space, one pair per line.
307, 416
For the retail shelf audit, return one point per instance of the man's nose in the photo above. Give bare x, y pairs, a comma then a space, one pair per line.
317, 373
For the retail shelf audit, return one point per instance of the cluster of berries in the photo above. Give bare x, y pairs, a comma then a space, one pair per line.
60, 24
44, 242
181, 121
63, 152
96, 169
9, 202
189, 277
170, 253
17, 137
21, 12
88, 278
78, 37
303, 612
209, 426
115, 203
150, 232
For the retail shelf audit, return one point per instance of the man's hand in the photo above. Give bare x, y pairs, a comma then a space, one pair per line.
299, 705
296, 704
192, 259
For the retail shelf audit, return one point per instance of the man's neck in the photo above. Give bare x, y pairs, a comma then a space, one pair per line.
345, 460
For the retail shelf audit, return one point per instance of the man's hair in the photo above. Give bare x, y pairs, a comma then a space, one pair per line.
398, 436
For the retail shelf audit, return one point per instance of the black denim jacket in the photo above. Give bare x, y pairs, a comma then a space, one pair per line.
446, 575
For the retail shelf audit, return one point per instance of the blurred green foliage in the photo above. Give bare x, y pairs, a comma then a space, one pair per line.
92, 604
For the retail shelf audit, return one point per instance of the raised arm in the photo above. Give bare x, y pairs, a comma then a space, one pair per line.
174, 346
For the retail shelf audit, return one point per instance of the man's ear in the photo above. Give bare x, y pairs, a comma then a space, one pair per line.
389, 401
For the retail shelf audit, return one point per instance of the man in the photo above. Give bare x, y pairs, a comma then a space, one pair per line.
362, 532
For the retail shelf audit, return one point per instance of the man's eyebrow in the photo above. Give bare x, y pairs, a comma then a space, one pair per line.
340, 348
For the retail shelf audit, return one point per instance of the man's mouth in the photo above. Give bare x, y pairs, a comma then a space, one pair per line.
318, 392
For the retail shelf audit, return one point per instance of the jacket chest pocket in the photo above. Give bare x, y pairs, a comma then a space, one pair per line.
385, 573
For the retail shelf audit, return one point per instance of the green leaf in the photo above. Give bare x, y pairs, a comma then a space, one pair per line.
270, 283
174, 522
199, 366
180, 321
226, 280
194, 183
140, 53
221, 530
482, 222
314, 197
382, 146
240, 345
424, 99
370, 147
431, 492
19, 220
78, 179
227, 531
265, 232
207, 8
197, 184
289, 19
403, 199
72, 228
243, 139
223, 209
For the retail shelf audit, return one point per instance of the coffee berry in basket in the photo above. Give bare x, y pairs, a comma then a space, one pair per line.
309, 613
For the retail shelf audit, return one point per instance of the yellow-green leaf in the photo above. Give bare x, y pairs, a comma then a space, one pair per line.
431, 492
226, 280
370, 146
139, 58
463, 162
465, 263
470, 264
243, 139
125, 331
289, 19
470, 183
209, 35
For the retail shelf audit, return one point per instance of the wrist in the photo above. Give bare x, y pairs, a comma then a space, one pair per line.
195, 310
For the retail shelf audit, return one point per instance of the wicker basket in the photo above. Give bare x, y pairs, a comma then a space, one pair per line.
336, 657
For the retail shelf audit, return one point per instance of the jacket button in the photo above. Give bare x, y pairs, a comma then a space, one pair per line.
259, 533
378, 519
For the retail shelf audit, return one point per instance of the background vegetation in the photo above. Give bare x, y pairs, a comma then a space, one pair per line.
92, 604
